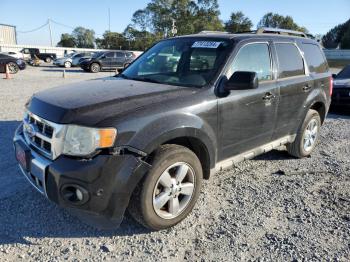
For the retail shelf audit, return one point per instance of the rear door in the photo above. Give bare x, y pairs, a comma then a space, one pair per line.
247, 117
294, 83
109, 60
120, 60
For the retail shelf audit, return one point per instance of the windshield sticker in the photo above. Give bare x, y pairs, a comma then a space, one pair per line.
206, 44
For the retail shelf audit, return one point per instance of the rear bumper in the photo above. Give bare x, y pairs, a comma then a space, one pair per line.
341, 97
106, 180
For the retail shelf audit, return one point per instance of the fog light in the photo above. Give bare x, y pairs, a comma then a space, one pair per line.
74, 194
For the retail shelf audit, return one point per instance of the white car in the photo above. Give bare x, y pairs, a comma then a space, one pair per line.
14, 54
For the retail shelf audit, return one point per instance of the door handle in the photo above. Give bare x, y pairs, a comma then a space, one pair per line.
268, 96
307, 87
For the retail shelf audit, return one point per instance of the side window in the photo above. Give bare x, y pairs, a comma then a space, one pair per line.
314, 58
120, 54
254, 58
290, 61
110, 55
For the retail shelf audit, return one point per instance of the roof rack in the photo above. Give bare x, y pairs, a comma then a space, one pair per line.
268, 30
213, 32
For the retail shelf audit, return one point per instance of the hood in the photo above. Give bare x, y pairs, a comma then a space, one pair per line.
90, 102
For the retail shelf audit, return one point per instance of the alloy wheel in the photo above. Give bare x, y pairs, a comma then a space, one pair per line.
174, 190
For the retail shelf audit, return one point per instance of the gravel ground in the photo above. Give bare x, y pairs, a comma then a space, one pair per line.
271, 208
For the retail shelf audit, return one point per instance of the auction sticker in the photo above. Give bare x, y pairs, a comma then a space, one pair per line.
206, 44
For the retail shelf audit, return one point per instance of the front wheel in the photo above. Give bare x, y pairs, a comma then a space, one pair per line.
95, 68
170, 190
307, 135
48, 59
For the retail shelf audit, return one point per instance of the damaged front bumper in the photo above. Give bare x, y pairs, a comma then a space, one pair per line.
96, 190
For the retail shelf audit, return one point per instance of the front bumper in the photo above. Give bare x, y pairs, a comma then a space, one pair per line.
108, 181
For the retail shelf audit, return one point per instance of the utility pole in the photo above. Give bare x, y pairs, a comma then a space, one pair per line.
174, 28
109, 19
49, 21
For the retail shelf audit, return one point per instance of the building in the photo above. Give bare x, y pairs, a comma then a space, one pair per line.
8, 34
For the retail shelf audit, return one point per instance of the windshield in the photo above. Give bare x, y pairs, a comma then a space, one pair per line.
192, 62
344, 74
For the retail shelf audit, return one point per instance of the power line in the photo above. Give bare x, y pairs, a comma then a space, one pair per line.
58, 23
33, 30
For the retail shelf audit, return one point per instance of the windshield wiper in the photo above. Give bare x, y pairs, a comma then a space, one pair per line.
145, 79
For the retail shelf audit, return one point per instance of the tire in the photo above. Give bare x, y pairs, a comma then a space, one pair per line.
95, 68
307, 136
48, 59
13, 68
174, 159
67, 64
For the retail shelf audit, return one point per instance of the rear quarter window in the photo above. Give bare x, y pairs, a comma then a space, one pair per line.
314, 58
289, 59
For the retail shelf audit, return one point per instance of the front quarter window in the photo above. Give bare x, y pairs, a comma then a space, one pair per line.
192, 62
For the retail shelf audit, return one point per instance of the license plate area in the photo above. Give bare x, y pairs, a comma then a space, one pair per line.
23, 155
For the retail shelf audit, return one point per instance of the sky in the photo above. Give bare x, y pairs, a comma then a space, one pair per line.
318, 16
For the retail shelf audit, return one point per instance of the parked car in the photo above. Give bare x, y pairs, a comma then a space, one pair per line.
70, 59
145, 139
14, 64
77, 59
47, 57
13, 54
110, 60
341, 90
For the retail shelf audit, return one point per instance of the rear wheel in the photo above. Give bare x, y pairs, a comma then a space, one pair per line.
67, 64
307, 135
170, 190
13, 68
48, 59
95, 68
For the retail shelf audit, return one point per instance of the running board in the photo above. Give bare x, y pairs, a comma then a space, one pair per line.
230, 162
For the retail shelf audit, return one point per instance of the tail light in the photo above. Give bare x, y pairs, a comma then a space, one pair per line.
330, 86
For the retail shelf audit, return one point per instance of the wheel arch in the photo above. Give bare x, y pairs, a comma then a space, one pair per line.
193, 139
320, 107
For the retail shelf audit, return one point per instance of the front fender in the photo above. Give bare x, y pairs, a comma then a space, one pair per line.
168, 127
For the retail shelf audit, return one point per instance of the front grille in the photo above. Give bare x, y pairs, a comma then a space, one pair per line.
38, 133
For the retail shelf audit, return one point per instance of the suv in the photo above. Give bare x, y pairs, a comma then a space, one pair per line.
146, 138
110, 60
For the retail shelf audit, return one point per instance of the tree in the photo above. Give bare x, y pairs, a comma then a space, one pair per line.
84, 38
140, 40
345, 41
278, 21
238, 23
191, 16
67, 40
112, 40
338, 35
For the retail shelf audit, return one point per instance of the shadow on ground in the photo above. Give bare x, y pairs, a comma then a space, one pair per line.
26, 214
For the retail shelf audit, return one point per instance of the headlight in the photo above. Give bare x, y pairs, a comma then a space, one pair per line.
83, 141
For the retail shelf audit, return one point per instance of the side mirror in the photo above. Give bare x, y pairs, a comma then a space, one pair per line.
242, 80
334, 75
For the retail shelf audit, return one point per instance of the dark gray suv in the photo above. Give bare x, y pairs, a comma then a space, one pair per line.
109, 60
187, 107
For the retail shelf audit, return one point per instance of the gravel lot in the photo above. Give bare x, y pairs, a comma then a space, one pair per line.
271, 208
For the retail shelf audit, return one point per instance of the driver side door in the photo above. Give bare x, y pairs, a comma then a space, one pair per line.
247, 117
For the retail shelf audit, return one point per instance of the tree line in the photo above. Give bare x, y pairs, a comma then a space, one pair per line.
157, 20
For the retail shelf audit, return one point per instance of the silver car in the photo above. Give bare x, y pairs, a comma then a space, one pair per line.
71, 59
